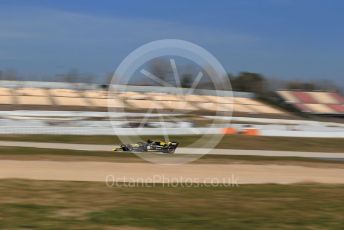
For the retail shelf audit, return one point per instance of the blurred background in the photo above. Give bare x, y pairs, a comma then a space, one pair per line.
277, 130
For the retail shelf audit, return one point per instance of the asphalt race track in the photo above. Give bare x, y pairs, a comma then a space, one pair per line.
236, 152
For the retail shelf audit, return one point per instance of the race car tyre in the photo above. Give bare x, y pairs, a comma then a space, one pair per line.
168, 150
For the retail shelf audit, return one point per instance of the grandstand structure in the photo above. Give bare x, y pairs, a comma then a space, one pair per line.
92, 99
321, 103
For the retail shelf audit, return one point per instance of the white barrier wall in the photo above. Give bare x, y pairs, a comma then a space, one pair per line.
83, 123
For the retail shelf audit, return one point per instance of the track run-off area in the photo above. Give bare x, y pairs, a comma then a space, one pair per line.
239, 173
153, 173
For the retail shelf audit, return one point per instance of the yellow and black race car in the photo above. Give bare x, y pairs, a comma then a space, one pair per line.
149, 146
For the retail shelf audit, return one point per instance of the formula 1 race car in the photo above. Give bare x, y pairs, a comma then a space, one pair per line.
149, 146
